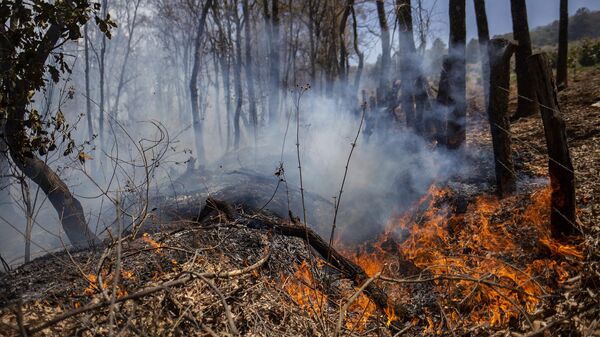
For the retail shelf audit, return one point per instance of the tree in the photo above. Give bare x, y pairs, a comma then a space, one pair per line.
563, 45
272, 26
526, 104
407, 59
384, 66
34, 34
483, 35
250, 79
456, 76
196, 120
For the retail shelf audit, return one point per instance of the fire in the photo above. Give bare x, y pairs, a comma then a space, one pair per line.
148, 239
94, 285
303, 290
481, 259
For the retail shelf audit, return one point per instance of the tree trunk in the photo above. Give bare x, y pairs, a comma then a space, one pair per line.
124, 66
500, 52
196, 120
102, 70
563, 46
456, 132
88, 93
408, 61
237, 77
562, 177
526, 104
274, 46
250, 70
384, 70
68, 207
483, 35
361, 56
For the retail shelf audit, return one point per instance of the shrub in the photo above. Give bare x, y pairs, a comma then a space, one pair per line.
589, 53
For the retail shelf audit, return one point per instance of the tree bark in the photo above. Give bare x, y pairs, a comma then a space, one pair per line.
361, 56
102, 70
274, 58
456, 72
483, 35
563, 46
562, 177
196, 119
125, 60
526, 103
250, 70
408, 62
237, 77
384, 69
500, 52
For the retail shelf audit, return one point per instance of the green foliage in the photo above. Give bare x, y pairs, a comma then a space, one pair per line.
582, 25
30, 33
588, 54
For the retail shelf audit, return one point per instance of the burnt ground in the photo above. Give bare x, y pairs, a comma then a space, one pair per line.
61, 294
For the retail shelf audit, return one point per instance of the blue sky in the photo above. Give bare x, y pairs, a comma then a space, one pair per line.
540, 12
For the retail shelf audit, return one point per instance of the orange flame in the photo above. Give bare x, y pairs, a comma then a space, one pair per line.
480, 245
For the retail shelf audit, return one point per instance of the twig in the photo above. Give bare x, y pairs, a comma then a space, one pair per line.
339, 198
148, 291
226, 307
352, 299
20, 321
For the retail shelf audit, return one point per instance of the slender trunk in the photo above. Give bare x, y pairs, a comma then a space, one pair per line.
563, 46
124, 66
563, 217
250, 70
408, 61
384, 67
273, 33
26, 196
88, 99
193, 85
237, 77
361, 56
102, 69
527, 103
500, 52
483, 35
343, 62
456, 133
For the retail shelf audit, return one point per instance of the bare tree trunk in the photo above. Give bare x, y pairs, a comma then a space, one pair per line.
250, 70
563, 46
273, 33
237, 78
361, 56
456, 132
343, 61
500, 52
384, 70
483, 35
102, 70
527, 103
562, 176
408, 62
197, 122
26, 196
88, 92
121, 84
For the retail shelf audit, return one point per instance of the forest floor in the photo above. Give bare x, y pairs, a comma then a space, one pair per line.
222, 277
